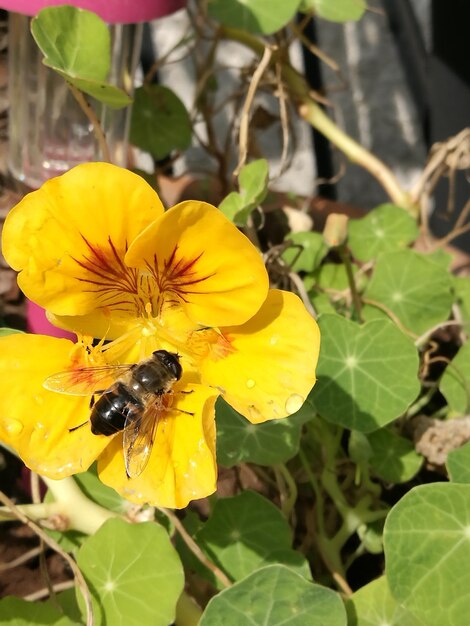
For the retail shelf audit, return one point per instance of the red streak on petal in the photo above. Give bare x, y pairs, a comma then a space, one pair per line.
117, 286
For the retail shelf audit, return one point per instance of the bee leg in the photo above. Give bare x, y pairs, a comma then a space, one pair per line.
77, 427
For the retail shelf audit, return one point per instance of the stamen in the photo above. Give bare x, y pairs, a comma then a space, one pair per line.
118, 286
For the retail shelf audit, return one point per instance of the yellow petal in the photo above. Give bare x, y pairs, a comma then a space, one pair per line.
36, 422
182, 464
68, 239
270, 367
200, 260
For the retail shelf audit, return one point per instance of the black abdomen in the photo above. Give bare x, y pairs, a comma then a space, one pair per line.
113, 408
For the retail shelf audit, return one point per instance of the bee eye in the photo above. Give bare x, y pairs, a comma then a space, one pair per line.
171, 361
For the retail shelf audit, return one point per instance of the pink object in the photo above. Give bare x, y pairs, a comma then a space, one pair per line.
111, 11
40, 325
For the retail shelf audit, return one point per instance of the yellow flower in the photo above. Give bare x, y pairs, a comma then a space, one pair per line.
96, 249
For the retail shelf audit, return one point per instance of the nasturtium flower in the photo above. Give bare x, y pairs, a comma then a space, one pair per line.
97, 250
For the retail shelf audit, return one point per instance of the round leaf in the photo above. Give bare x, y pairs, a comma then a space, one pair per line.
75, 41
374, 605
337, 11
239, 441
276, 596
160, 122
19, 612
386, 228
393, 457
458, 464
76, 44
455, 382
307, 251
427, 551
246, 532
134, 573
262, 17
367, 375
416, 289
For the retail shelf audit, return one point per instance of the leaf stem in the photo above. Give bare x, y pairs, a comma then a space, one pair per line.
290, 497
195, 549
97, 129
56, 547
78, 511
346, 259
312, 113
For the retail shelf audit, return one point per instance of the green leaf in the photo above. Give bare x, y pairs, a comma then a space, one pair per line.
4, 332
100, 493
416, 289
275, 596
160, 122
335, 10
386, 228
134, 573
393, 457
239, 441
246, 532
262, 17
462, 291
458, 464
374, 605
18, 612
455, 382
306, 252
76, 44
367, 375
427, 551
253, 182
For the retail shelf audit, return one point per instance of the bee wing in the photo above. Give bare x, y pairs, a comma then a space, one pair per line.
85, 381
138, 438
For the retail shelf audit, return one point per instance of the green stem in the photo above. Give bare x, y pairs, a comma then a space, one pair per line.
187, 611
346, 259
78, 511
291, 498
312, 113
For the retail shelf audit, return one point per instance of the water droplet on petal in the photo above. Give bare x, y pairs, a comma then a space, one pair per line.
293, 403
274, 339
12, 426
250, 383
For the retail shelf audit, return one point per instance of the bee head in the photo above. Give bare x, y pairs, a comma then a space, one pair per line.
171, 360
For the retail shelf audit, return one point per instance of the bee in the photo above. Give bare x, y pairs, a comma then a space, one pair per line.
131, 399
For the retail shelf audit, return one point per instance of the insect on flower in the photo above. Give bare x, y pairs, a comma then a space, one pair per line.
132, 399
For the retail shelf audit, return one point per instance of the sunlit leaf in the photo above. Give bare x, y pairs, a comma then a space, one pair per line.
427, 551
306, 252
19, 612
458, 464
335, 10
275, 596
455, 382
253, 183
415, 289
134, 573
367, 375
385, 228
255, 16
374, 605
76, 44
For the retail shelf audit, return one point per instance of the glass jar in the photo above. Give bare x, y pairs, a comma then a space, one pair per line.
48, 131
